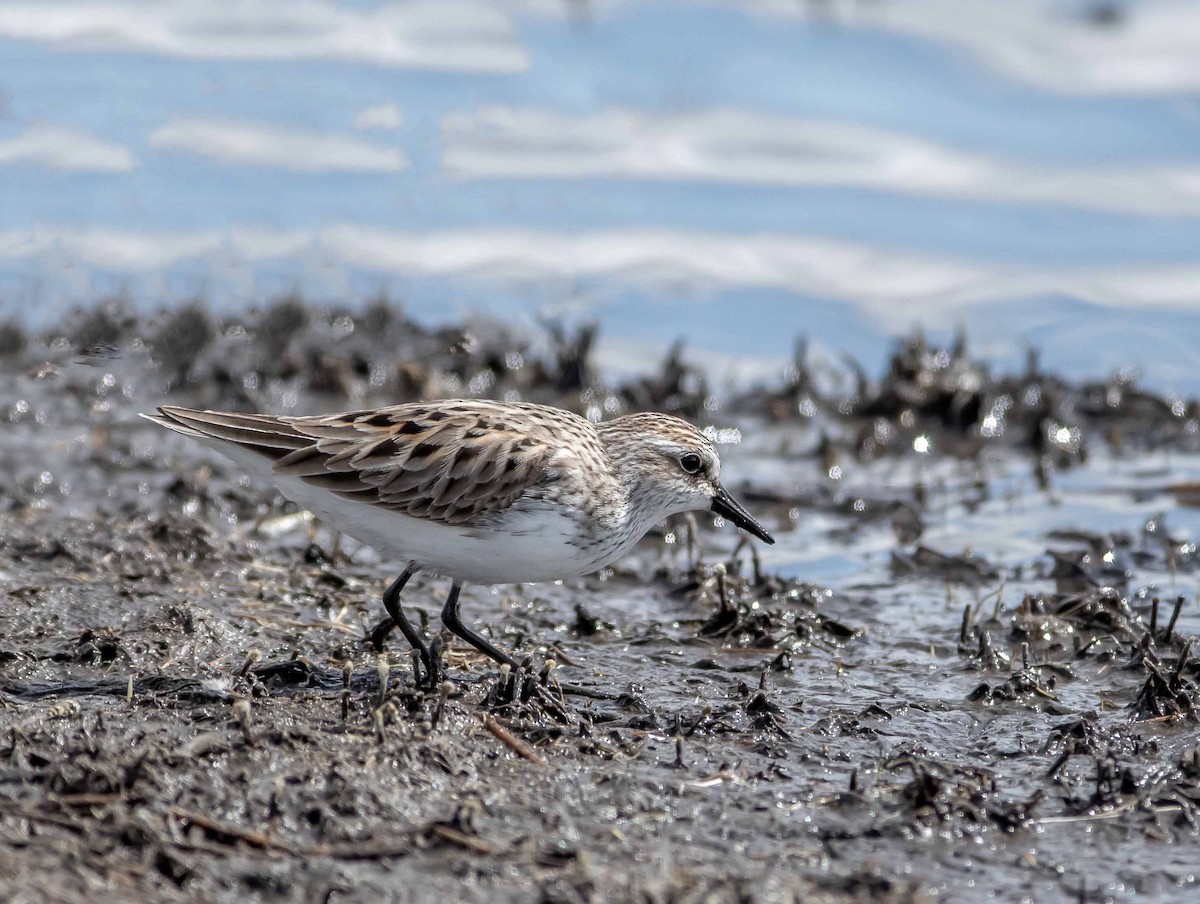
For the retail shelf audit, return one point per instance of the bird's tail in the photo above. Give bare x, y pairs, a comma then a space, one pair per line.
271, 437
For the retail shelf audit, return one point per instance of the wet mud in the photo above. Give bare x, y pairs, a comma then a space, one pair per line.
966, 671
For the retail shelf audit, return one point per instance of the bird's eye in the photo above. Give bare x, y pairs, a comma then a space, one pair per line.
690, 462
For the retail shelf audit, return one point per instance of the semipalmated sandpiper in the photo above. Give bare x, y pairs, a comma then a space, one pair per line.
475, 490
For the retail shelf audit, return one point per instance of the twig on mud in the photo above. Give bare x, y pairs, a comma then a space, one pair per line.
576, 690
562, 656
1109, 814
720, 777
1169, 717
250, 836
454, 836
515, 744
21, 812
553, 706
270, 622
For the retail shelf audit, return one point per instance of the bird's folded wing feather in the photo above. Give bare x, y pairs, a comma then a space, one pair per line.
453, 465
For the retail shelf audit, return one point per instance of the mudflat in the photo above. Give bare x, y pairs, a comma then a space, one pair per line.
965, 671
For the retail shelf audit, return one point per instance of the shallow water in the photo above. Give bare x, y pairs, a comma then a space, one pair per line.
733, 173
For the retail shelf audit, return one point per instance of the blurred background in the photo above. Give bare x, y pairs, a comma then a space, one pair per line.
733, 173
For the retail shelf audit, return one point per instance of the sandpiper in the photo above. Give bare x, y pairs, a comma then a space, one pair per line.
476, 490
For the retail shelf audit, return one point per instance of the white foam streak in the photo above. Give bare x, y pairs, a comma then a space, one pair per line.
384, 116
742, 147
262, 144
897, 288
463, 35
73, 150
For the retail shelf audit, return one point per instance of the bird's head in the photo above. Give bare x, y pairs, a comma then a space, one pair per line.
671, 467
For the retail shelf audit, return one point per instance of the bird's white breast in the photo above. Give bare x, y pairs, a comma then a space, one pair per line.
527, 543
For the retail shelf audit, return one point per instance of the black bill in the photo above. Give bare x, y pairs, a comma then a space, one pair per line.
731, 510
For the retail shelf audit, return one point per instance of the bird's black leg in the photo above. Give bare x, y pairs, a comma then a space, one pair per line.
452, 620
391, 602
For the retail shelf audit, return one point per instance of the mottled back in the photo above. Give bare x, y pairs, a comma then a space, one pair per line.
453, 462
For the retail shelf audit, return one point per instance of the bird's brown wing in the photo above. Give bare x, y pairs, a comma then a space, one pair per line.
451, 462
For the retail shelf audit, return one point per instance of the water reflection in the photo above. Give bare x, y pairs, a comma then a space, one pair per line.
840, 169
